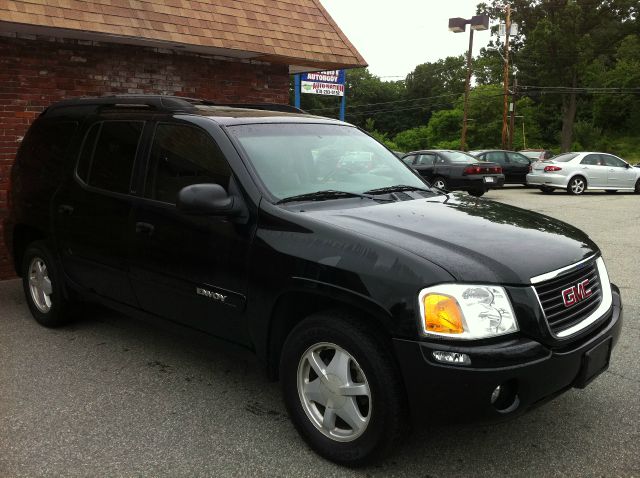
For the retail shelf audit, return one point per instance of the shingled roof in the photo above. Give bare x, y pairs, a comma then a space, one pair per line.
299, 33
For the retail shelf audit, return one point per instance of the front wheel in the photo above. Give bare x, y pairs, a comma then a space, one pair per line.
637, 190
43, 286
341, 389
576, 186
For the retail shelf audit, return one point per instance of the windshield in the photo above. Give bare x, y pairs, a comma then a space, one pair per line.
564, 158
295, 159
458, 157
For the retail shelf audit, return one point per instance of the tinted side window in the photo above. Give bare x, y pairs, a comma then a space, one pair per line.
409, 159
495, 157
517, 158
426, 159
84, 162
44, 147
114, 155
180, 156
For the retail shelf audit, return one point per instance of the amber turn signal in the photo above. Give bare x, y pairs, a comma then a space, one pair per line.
442, 314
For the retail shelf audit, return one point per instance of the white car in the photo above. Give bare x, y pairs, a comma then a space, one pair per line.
578, 172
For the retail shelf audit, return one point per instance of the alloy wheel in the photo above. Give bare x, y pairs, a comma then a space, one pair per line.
40, 285
577, 186
334, 392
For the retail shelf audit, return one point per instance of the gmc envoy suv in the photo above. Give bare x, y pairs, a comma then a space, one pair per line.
376, 300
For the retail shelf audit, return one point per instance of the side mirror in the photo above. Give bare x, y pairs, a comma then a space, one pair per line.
206, 200
627, 165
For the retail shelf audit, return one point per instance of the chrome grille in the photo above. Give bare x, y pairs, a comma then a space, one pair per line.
559, 316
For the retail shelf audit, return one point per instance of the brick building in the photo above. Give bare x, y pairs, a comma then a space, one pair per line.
239, 51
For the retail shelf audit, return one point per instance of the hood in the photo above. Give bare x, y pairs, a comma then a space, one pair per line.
475, 240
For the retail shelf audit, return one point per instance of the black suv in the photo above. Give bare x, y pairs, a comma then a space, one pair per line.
375, 300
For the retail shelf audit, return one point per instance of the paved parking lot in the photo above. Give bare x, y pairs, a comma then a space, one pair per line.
110, 396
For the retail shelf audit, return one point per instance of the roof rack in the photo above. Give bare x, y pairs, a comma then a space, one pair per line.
161, 103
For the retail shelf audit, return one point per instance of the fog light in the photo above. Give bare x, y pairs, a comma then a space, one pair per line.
452, 357
495, 394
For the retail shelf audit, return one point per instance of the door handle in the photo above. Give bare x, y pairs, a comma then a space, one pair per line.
144, 228
65, 209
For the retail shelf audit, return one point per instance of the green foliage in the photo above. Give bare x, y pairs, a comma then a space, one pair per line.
412, 139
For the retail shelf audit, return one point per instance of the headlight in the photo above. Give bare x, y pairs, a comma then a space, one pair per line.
466, 312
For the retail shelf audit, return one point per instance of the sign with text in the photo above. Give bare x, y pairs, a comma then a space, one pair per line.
329, 83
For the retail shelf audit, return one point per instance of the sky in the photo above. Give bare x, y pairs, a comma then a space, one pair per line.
396, 36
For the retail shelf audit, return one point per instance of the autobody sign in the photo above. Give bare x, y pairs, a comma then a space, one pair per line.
329, 82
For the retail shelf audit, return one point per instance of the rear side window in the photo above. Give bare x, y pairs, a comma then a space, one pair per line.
517, 158
565, 158
592, 160
183, 155
44, 148
108, 153
409, 160
426, 159
495, 157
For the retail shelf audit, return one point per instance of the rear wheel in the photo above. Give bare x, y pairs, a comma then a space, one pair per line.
576, 185
440, 183
546, 189
43, 286
341, 389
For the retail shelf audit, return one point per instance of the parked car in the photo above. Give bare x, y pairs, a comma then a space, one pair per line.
377, 301
537, 154
582, 171
515, 166
455, 170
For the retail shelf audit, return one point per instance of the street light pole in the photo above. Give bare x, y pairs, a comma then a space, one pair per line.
458, 25
467, 87
506, 78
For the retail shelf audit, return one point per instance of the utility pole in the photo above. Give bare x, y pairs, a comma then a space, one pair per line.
506, 77
512, 122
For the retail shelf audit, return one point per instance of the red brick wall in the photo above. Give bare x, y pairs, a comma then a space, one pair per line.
37, 71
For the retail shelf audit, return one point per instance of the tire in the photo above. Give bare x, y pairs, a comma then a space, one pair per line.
440, 183
477, 192
546, 190
44, 286
380, 416
577, 185
637, 190
610, 191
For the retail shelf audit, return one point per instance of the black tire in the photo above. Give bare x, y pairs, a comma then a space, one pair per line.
637, 190
477, 192
58, 312
546, 190
387, 412
439, 180
610, 191
577, 186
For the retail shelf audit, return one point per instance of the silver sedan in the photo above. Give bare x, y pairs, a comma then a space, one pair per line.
578, 172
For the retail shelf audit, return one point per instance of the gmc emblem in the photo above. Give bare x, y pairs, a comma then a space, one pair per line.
576, 293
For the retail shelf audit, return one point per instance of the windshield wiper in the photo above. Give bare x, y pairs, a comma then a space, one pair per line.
397, 188
328, 194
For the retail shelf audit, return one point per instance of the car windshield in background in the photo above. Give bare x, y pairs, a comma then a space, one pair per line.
295, 159
564, 158
458, 157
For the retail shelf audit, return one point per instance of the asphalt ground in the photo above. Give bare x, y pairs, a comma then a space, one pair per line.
111, 396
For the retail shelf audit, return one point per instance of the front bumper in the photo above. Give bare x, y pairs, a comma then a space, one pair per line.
547, 179
528, 370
